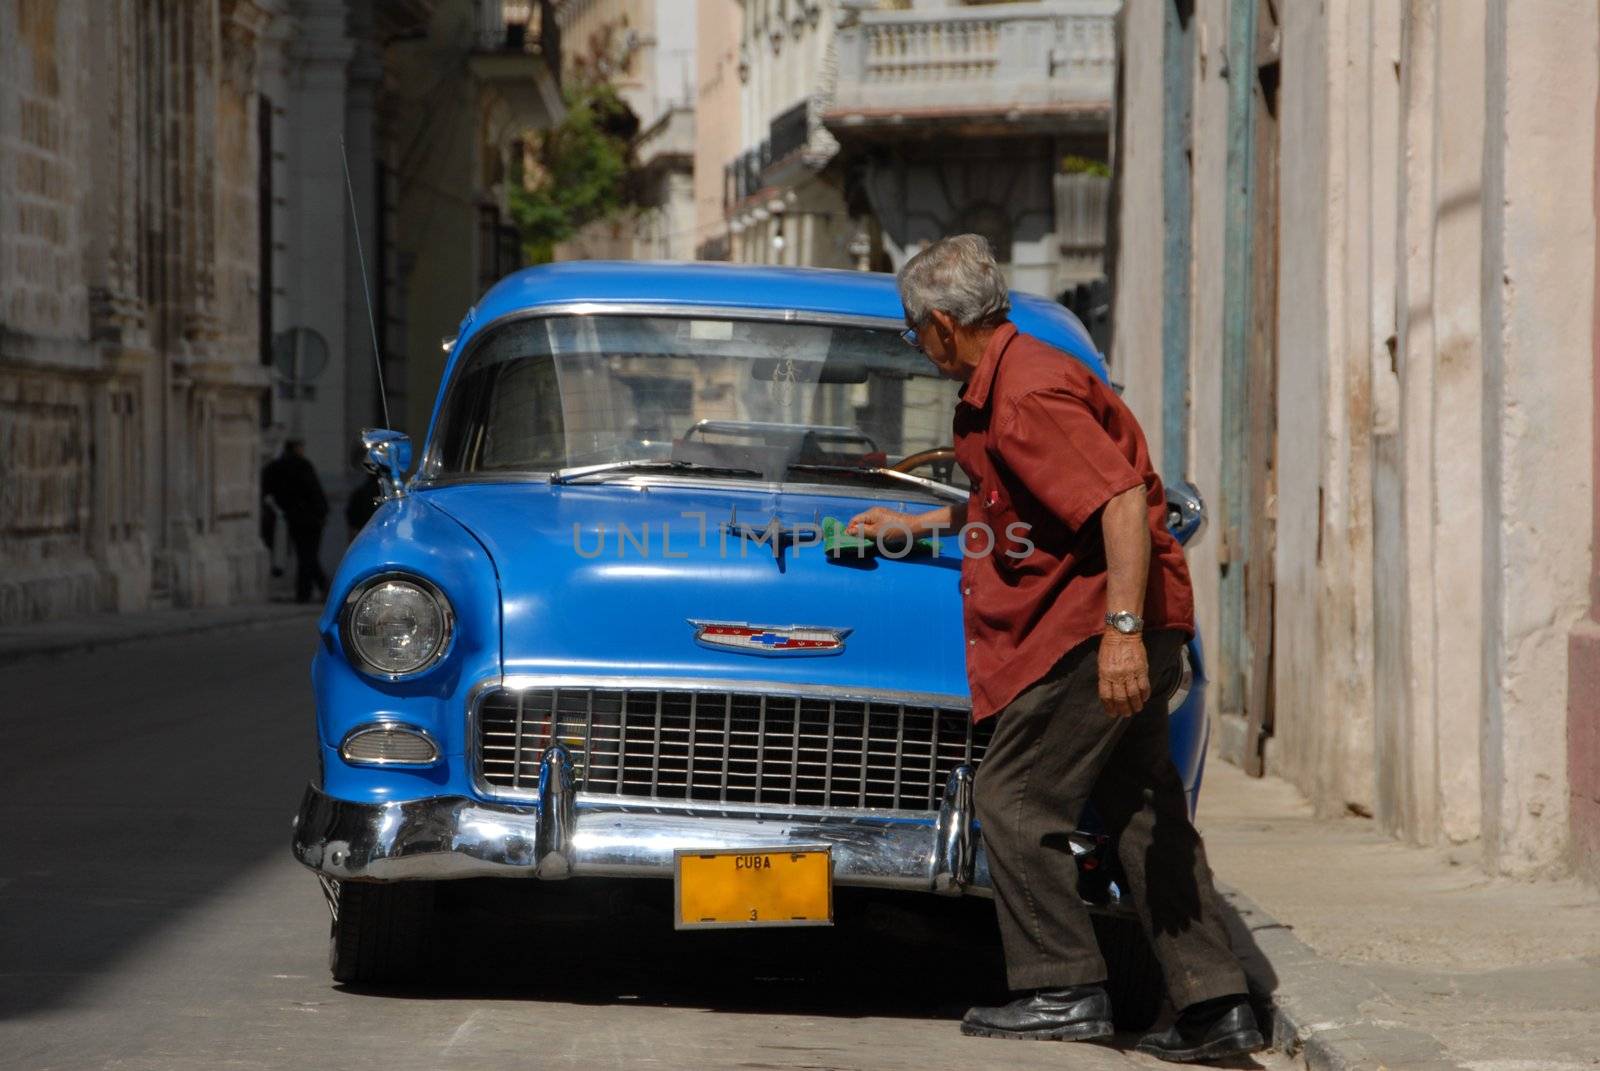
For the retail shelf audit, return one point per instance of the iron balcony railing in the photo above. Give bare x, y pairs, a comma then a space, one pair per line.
988, 58
518, 26
789, 131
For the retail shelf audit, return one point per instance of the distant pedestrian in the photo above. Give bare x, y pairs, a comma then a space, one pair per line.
291, 482
269, 525
1058, 655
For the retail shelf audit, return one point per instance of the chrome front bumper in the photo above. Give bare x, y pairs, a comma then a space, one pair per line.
558, 835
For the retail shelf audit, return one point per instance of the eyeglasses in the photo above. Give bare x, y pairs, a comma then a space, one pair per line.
909, 337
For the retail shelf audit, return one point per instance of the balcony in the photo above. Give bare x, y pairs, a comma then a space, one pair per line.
744, 175
512, 38
788, 133
1046, 65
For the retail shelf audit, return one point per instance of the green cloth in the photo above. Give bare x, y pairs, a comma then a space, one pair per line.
837, 542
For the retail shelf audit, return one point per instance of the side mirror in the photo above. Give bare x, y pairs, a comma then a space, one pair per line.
1186, 511
388, 456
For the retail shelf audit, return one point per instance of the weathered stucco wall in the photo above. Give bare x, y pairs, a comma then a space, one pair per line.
1209, 228
1136, 346
1457, 404
1583, 651
1539, 287
1321, 710
1435, 405
717, 120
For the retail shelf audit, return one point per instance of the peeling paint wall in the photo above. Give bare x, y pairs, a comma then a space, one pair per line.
1136, 347
1583, 648
1210, 158
1457, 397
1435, 406
1538, 292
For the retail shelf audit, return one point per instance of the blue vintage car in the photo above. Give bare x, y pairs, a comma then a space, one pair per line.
600, 632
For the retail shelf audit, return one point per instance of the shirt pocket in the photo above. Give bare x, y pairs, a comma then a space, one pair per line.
1010, 544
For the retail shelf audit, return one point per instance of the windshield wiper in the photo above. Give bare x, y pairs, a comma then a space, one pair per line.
949, 491
578, 472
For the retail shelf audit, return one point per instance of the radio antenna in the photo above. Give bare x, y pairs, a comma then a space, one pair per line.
366, 289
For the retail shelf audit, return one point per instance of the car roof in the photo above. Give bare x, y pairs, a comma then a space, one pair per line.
822, 291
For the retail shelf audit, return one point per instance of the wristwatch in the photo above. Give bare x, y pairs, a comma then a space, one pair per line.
1125, 621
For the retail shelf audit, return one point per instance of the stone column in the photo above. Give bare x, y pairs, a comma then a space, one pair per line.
118, 312
362, 408
1138, 316
1538, 339
314, 269
200, 316
1458, 564
116, 308
1583, 644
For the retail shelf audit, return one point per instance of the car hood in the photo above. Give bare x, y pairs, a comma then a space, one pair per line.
579, 597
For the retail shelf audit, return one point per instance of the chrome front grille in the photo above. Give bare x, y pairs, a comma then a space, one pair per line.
716, 746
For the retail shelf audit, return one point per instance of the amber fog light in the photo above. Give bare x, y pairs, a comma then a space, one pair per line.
387, 744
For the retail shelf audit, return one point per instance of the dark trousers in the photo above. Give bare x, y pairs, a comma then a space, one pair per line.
1054, 749
307, 540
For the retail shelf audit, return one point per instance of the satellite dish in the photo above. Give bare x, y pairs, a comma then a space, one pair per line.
299, 354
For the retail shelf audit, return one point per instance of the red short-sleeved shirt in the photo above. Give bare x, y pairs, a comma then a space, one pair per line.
1046, 444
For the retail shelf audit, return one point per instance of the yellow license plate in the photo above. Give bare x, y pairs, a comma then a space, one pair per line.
744, 888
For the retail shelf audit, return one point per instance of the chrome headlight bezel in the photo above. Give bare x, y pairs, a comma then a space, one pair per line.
347, 613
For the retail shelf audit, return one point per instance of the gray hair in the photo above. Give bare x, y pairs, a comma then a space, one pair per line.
956, 275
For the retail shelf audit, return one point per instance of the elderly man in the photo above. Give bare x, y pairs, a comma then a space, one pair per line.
1074, 650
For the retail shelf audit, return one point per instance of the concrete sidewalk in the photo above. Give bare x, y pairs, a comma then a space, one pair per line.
1378, 955
72, 635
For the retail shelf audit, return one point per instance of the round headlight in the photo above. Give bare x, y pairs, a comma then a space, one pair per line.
395, 626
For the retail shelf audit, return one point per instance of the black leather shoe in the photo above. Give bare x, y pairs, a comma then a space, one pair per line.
1210, 1030
1078, 1013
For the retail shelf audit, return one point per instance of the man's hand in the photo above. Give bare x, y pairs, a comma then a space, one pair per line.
875, 521
1124, 673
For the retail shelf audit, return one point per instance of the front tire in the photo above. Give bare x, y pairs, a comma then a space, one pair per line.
382, 932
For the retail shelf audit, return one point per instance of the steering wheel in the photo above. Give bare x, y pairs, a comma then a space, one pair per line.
941, 462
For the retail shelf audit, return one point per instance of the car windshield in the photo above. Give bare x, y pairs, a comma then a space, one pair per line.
552, 393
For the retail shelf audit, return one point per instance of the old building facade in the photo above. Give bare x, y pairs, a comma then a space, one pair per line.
130, 361
717, 133
869, 127
178, 226
992, 118
1355, 303
430, 102
784, 203
460, 100
646, 50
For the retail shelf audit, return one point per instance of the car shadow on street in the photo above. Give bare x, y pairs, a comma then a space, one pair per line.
601, 942
596, 942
